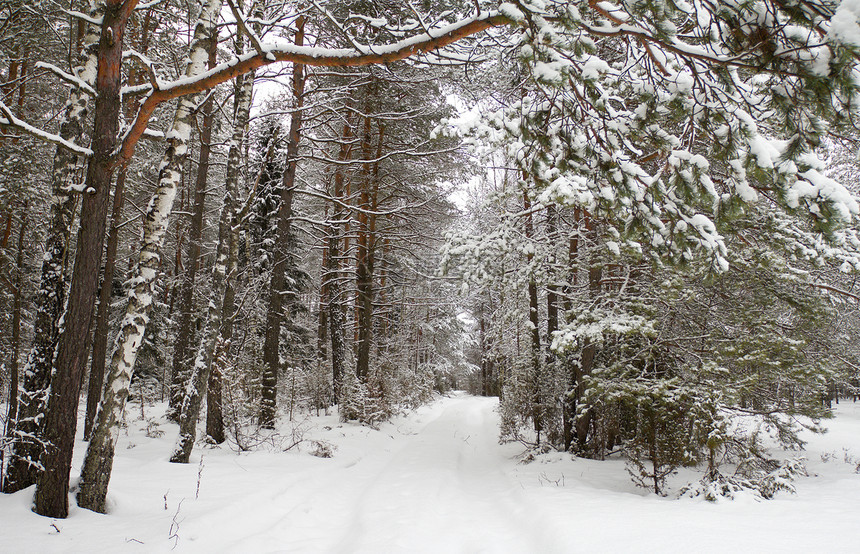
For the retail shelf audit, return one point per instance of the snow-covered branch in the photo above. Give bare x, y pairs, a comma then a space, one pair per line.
73, 79
325, 57
7, 119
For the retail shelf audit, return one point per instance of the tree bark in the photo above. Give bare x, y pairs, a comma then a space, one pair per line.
24, 468
336, 299
365, 250
98, 462
51, 498
534, 319
284, 244
589, 349
15, 347
100, 338
185, 332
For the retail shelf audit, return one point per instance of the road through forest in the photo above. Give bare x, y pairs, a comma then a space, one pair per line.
433, 481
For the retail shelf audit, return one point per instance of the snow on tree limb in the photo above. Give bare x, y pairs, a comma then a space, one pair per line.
9, 120
321, 57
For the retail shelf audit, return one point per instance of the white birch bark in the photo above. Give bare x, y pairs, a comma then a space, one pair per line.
223, 274
24, 463
98, 462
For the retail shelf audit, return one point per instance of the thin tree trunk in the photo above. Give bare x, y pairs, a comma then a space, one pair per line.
537, 375
185, 332
98, 462
51, 498
552, 288
571, 397
322, 323
100, 340
15, 347
284, 243
23, 468
222, 276
589, 349
364, 254
339, 354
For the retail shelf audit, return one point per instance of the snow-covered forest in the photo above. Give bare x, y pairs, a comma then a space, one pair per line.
457, 276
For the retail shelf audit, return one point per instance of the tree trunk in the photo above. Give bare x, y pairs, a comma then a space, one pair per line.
23, 468
552, 288
336, 298
185, 332
322, 323
589, 349
51, 498
572, 393
364, 253
98, 462
15, 347
534, 319
222, 276
100, 339
284, 244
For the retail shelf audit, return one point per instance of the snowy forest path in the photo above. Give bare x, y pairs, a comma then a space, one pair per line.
426, 489
434, 480
436, 484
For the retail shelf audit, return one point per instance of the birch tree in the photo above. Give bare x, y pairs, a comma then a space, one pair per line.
99, 458
24, 467
213, 348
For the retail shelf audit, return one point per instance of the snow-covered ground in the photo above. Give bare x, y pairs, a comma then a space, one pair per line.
433, 481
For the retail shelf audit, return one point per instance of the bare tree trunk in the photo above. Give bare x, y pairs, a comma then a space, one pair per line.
15, 347
364, 253
573, 392
23, 468
537, 374
589, 349
322, 323
51, 498
223, 274
100, 339
552, 288
185, 332
98, 462
284, 243
336, 297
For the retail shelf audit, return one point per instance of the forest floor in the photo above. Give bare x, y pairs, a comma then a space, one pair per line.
435, 480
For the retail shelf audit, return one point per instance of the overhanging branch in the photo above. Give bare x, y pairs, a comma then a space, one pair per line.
319, 57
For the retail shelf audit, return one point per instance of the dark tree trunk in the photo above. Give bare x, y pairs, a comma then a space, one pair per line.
589, 350
552, 289
100, 340
15, 347
322, 321
365, 253
486, 364
51, 498
534, 319
571, 398
336, 298
284, 244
